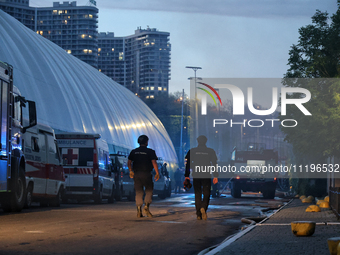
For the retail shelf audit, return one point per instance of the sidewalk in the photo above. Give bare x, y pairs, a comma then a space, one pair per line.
274, 236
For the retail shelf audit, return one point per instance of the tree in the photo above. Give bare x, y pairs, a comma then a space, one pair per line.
316, 55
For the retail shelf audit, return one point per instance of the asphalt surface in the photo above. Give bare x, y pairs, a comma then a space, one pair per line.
114, 228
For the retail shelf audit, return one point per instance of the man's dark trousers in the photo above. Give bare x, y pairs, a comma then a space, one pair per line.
143, 179
202, 185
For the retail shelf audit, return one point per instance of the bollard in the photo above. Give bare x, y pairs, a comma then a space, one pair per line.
303, 228
333, 245
313, 208
307, 200
324, 204
311, 197
319, 202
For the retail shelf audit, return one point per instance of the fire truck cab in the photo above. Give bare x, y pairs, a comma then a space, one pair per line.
12, 158
88, 170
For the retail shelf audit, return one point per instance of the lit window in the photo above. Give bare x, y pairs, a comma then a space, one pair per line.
113, 49
147, 97
147, 88
54, 12
69, 51
142, 88
159, 88
152, 43
132, 82
164, 89
65, 11
90, 16
90, 36
152, 96
99, 49
41, 32
86, 16
83, 36
60, 12
152, 88
136, 94
65, 21
85, 51
100, 70
121, 55
160, 48
90, 51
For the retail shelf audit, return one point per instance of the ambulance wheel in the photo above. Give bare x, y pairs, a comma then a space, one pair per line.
56, 201
16, 199
28, 202
99, 197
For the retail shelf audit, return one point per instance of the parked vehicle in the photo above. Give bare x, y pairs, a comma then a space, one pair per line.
124, 184
12, 158
45, 179
255, 156
88, 170
162, 187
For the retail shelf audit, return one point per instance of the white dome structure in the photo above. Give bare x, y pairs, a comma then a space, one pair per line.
73, 96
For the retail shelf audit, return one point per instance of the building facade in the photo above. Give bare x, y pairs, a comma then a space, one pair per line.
140, 62
72, 27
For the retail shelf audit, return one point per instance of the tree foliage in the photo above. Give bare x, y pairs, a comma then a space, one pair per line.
316, 59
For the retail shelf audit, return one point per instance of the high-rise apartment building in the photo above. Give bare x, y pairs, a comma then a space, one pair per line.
140, 62
72, 27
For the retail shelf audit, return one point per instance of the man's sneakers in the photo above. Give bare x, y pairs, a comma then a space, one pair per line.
204, 214
147, 211
139, 212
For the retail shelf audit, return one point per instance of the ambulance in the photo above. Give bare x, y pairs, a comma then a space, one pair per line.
45, 179
87, 166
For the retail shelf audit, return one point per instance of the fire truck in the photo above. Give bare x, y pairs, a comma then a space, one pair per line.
12, 158
250, 175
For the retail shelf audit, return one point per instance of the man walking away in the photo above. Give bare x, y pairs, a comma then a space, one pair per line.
202, 157
141, 161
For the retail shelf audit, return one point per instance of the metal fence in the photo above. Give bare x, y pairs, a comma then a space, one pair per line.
334, 200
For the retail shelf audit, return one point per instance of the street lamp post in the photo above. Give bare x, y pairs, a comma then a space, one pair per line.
181, 141
195, 68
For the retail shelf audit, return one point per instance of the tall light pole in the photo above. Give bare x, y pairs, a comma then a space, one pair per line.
195, 68
181, 141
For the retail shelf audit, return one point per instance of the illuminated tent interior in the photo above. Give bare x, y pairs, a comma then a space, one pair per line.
73, 96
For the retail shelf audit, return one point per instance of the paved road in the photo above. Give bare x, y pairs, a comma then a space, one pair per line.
114, 229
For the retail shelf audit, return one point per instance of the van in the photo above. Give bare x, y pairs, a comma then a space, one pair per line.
88, 171
45, 179
124, 184
162, 187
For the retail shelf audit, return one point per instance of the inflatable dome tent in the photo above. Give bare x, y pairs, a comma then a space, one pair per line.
72, 96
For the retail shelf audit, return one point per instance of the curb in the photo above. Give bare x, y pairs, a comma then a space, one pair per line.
217, 248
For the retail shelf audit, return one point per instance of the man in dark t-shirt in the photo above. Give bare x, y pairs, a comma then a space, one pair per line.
141, 161
199, 159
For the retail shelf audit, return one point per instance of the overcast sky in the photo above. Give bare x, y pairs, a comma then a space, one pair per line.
227, 38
